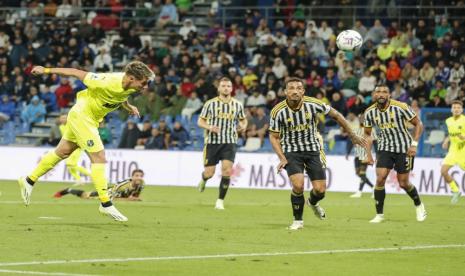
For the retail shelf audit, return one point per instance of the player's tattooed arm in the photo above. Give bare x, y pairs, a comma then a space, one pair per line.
367, 135
412, 150
68, 72
346, 127
276, 144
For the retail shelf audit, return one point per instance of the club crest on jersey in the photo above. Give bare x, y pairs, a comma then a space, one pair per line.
90, 143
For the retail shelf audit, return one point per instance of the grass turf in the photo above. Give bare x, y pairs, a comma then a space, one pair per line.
179, 221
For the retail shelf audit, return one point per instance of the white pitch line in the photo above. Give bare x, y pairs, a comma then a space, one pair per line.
40, 273
238, 255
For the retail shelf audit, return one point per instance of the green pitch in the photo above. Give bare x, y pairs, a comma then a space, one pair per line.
176, 231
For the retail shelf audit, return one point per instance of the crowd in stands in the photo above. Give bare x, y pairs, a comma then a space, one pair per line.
421, 61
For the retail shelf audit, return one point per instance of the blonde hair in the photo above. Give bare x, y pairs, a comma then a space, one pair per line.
139, 70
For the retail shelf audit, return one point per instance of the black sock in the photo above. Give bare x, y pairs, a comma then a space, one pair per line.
77, 193
413, 193
107, 204
28, 180
297, 202
360, 186
380, 195
366, 180
64, 192
315, 197
224, 185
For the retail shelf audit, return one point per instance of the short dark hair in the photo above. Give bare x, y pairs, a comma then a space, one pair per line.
294, 79
383, 85
137, 171
457, 102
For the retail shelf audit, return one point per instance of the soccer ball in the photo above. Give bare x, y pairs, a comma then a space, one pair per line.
349, 40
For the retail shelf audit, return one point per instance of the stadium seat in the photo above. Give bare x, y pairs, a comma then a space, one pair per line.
435, 137
252, 144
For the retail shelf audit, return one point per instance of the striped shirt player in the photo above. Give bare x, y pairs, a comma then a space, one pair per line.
295, 139
225, 116
396, 147
221, 118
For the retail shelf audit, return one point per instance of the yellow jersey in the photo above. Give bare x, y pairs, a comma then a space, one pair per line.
104, 94
63, 129
456, 128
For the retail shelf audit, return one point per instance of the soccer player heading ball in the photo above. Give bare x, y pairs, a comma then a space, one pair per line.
295, 139
396, 148
105, 92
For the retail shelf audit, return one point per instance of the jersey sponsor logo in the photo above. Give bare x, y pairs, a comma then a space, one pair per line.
109, 105
300, 127
387, 125
90, 143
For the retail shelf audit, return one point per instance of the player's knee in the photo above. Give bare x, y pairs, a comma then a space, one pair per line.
226, 171
208, 174
298, 189
404, 185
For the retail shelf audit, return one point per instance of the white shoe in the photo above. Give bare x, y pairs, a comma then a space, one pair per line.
26, 190
421, 212
219, 204
317, 210
455, 197
112, 212
378, 218
296, 225
357, 194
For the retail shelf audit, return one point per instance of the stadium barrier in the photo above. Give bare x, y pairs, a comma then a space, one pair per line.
251, 170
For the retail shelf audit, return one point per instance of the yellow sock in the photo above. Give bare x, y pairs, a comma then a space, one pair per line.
83, 170
97, 172
74, 172
453, 186
47, 163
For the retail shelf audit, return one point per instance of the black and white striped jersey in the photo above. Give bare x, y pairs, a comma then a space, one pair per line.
391, 125
298, 128
225, 116
359, 151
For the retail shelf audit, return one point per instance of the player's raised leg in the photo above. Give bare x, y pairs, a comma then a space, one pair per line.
48, 161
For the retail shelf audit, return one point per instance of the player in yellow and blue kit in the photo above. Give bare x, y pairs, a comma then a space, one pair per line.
105, 93
456, 154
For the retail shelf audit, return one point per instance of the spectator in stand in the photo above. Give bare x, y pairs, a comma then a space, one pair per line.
436, 102
393, 72
452, 93
64, 10
34, 112
258, 125
49, 99
385, 50
145, 133
56, 131
103, 61
179, 136
104, 133
457, 72
376, 33
187, 87
156, 140
338, 103
442, 29
256, 99
129, 136
7, 109
165, 132
168, 14
187, 27
64, 93
427, 73
193, 104
331, 78
325, 32
438, 90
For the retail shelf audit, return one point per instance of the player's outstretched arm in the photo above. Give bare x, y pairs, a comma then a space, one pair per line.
345, 125
69, 72
367, 136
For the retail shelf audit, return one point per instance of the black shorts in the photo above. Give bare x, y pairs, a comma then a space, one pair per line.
401, 162
214, 153
313, 162
359, 164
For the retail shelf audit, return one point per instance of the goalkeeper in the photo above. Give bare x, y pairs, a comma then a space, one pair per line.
128, 189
